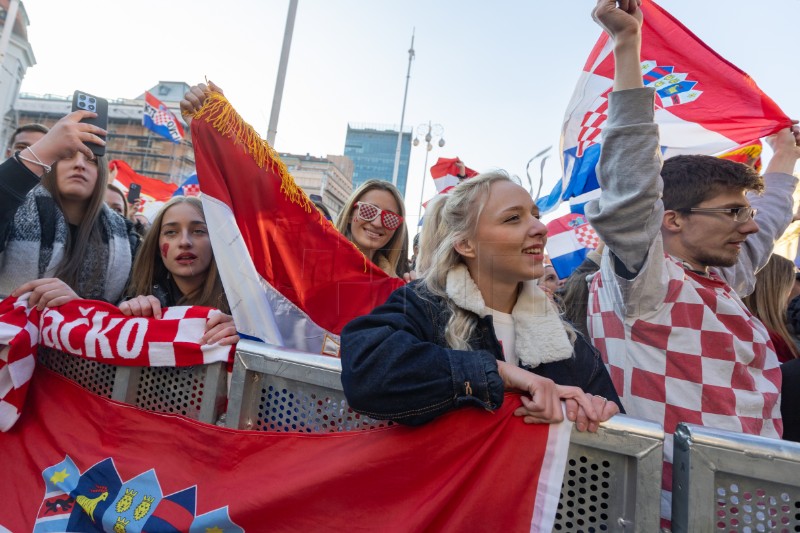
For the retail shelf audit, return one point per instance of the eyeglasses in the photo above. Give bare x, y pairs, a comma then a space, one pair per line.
740, 214
368, 212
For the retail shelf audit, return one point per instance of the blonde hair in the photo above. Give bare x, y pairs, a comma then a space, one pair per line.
149, 267
770, 297
397, 248
450, 219
90, 230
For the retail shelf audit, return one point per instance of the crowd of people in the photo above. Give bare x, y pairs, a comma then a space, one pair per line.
682, 314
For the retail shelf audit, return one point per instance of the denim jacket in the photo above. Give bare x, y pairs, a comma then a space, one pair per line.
397, 365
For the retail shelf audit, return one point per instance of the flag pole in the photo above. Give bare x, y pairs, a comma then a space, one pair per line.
272, 129
396, 170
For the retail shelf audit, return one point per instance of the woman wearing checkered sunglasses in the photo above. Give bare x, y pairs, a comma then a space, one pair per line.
373, 220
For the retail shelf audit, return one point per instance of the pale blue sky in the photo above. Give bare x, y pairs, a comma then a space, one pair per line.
497, 75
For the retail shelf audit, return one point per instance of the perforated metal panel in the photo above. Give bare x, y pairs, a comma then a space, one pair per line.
612, 480
282, 390
198, 392
755, 505
91, 375
171, 390
292, 406
586, 495
725, 481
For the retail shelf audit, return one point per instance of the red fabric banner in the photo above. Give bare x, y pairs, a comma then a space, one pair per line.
76, 460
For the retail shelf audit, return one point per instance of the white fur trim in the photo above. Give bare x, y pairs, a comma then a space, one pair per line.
540, 336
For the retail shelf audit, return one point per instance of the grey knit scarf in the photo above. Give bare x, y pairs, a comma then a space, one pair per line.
36, 242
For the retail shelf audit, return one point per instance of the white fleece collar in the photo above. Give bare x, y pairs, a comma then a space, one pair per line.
539, 333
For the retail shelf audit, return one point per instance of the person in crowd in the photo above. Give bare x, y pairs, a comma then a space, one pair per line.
319, 204
176, 266
414, 252
550, 283
372, 218
682, 245
58, 239
574, 293
769, 302
24, 136
475, 324
115, 199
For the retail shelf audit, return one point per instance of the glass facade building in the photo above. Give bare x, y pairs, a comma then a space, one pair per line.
372, 149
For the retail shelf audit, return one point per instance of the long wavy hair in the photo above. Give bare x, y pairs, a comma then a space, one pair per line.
90, 228
397, 248
770, 297
149, 268
450, 219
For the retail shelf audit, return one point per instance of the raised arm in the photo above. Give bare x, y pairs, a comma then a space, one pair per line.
775, 208
628, 215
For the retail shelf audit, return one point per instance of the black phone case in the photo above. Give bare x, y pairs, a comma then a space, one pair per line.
82, 100
134, 191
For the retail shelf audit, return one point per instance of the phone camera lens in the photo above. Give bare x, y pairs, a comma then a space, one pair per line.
91, 108
82, 97
92, 100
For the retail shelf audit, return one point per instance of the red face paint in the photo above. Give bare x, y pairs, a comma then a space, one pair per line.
164, 249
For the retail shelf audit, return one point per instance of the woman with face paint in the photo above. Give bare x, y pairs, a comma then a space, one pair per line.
175, 266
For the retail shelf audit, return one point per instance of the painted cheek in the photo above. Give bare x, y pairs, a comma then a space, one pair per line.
164, 249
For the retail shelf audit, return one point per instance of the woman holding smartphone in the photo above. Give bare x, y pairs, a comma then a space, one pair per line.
58, 239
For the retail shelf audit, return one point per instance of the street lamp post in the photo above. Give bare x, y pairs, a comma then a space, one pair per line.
429, 132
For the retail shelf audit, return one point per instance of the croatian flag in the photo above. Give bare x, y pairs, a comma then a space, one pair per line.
80, 462
160, 119
189, 187
569, 239
445, 174
290, 277
154, 193
704, 104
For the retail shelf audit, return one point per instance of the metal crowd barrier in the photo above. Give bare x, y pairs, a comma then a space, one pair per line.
725, 481
198, 392
612, 481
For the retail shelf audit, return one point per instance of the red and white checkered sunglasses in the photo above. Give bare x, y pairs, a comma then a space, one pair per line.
368, 212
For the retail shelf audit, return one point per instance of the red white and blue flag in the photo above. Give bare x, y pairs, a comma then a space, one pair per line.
154, 193
189, 187
80, 462
158, 118
569, 239
290, 277
704, 104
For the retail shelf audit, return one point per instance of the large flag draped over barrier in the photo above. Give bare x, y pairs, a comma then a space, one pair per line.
704, 104
79, 462
290, 277
97, 331
154, 194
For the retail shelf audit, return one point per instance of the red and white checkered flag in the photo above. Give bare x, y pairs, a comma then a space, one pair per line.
97, 331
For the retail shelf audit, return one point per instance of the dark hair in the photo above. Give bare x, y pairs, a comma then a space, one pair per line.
41, 128
692, 179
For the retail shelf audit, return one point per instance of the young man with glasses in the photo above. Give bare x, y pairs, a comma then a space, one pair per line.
665, 308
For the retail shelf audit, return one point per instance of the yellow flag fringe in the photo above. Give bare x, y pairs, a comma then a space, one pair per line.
219, 112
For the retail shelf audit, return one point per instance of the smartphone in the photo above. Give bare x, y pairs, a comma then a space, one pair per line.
95, 104
133, 192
